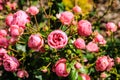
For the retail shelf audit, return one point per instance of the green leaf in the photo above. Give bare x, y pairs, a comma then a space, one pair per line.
39, 77
73, 74
21, 47
80, 78
83, 70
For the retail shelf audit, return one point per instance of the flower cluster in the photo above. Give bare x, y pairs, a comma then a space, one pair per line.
74, 49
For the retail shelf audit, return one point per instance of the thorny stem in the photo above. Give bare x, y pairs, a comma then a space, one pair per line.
12, 50
43, 8
36, 21
48, 65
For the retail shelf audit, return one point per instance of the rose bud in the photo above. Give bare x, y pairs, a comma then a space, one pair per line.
3, 42
32, 10
35, 42
3, 33
77, 65
103, 75
9, 19
16, 31
66, 17
85, 77
117, 60
60, 68
22, 74
79, 43
84, 28
99, 38
110, 26
3, 52
92, 47
57, 39
77, 9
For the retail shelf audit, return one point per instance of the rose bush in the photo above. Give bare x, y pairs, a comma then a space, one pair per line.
51, 42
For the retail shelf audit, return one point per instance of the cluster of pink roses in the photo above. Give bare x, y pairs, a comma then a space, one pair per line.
56, 39
11, 6
11, 64
16, 25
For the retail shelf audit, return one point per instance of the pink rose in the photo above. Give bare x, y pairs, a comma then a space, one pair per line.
104, 63
84, 28
3, 33
35, 42
13, 40
92, 47
10, 63
2, 53
32, 10
60, 68
66, 17
3, 42
22, 74
111, 63
57, 39
77, 9
79, 43
110, 26
77, 65
1, 7
16, 31
9, 19
99, 38
20, 18
1, 1
14, 5
85, 77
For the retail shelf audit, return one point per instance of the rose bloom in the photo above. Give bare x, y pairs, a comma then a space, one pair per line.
16, 31
77, 9
57, 39
85, 76
1, 7
13, 40
35, 42
1, 1
77, 65
22, 74
92, 47
32, 10
12, 6
3, 33
79, 43
9, 19
104, 63
2, 53
99, 38
10, 64
60, 68
84, 28
66, 17
110, 26
3, 42
20, 18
